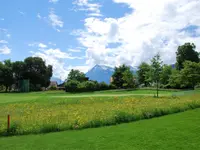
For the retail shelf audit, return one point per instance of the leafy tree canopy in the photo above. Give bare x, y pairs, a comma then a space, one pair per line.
186, 52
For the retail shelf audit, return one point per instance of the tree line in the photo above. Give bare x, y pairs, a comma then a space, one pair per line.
185, 74
32, 69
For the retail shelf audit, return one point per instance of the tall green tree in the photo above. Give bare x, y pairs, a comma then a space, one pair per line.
1, 73
165, 74
186, 52
18, 72
118, 74
191, 73
128, 79
6, 74
142, 73
175, 80
156, 69
18, 69
37, 72
76, 75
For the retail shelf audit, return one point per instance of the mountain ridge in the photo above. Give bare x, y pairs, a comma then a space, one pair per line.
103, 73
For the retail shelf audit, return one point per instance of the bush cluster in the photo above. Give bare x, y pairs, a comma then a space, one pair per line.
87, 86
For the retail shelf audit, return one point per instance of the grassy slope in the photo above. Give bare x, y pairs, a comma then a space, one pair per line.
178, 132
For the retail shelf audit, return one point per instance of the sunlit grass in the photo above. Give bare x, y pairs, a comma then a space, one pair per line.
58, 114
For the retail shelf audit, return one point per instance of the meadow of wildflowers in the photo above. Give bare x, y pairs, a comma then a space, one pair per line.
58, 114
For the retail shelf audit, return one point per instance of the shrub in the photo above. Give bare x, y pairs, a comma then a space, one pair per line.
49, 128
87, 86
103, 86
53, 88
72, 86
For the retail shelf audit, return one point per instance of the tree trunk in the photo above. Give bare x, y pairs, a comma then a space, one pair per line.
157, 89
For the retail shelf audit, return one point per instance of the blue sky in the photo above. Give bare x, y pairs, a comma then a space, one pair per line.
81, 33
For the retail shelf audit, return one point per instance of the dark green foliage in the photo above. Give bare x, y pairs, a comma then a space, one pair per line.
49, 128
53, 88
87, 86
142, 73
190, 74
165, 75
188, 77
72, 86
77, 82
128, 79
175, 80
33, 69
37, 72
76, 75
103, 86
6, 74
123, 77
186, 52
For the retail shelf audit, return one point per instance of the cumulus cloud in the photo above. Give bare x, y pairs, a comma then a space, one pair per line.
55, 20
39, 16
3, 42
22, 13
38, 44
5, 50
56, 58
153, 26
74, 50
92, 9
53, 1
41, 45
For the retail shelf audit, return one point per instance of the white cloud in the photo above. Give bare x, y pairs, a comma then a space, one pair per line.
39, 16
55, 20
153, 26
93, 9
3, 42
56, 57
41, 45
83, 69
53, 1
22, 13
38, 44
74, 50
5, 50
50, 43
5, 33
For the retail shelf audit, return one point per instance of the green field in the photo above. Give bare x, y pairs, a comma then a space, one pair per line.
172, 132
51, 95
44, 112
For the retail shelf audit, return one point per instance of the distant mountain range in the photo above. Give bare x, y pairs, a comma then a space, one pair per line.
102, 73
58, 80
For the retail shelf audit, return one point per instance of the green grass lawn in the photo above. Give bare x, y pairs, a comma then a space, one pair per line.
41, 96
173, 132
44, 112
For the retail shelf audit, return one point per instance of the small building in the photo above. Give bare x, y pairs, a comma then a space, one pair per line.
53, 84
111, 79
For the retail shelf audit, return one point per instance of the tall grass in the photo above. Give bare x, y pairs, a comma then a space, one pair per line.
63, 114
